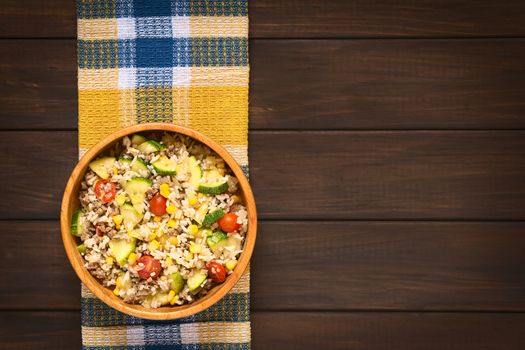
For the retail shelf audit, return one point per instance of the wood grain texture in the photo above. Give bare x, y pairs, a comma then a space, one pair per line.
28, 18
40, 330
336, 84
385, 331
364, 19
384, 84
36, 244
37, 171
305, 330
320, 266
474, 175
312, 18
38, 86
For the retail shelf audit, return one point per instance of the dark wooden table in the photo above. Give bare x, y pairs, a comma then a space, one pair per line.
387, 148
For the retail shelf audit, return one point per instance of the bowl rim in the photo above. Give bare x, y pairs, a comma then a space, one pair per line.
104, 293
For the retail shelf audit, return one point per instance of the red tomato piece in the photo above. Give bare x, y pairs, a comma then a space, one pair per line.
105, 190
98, 231
228, 222
157, 205
151, 268
216, 272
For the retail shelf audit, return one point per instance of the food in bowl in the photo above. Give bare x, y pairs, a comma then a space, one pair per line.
161, 219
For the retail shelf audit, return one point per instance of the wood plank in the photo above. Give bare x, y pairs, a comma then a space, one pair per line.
36, 245
306, 330
365, 19
28, 18
319, 266
389, 265
40, 330
312, 18
38, 88
474, 175
382, 84
336, 84
381, 331
37, 171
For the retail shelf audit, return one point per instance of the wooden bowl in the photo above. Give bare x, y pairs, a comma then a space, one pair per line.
70, 203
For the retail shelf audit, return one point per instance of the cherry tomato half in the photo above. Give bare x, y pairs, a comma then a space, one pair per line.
228, 222
98, 231
105, 190
157, 205
216, 272
151, 267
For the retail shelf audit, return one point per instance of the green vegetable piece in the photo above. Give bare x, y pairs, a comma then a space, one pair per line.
122, 248
212, 217
77, 228
81, 248
165, 166
195, 281
215, 238
214, 188
137, 139
177, 282
150, 146
102, 166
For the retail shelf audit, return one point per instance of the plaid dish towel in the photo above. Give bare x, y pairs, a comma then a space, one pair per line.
181, 61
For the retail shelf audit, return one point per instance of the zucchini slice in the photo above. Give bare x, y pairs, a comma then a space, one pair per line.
212, 217
165, 166
130, 216
150, 146
122, 248
137, 139
195, 171
214, 188
77, 223
102, 166
195, 281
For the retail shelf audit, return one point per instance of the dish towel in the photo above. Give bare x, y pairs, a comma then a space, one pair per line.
186, 62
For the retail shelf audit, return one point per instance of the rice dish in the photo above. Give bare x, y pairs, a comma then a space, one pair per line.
161, 220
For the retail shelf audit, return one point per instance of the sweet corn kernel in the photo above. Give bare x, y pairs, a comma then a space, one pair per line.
230, 264
194, 228
171, 295
170, 209
116, 291
200, 195
157, 219
119, 282
134, 234
152, 236
174, 300
117, 219
172, 223
153, 245
195, 248
109, 260
115, 170
165, 190
173, 240
121, 199
132, 258
168, 261
188, 256
193, 200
